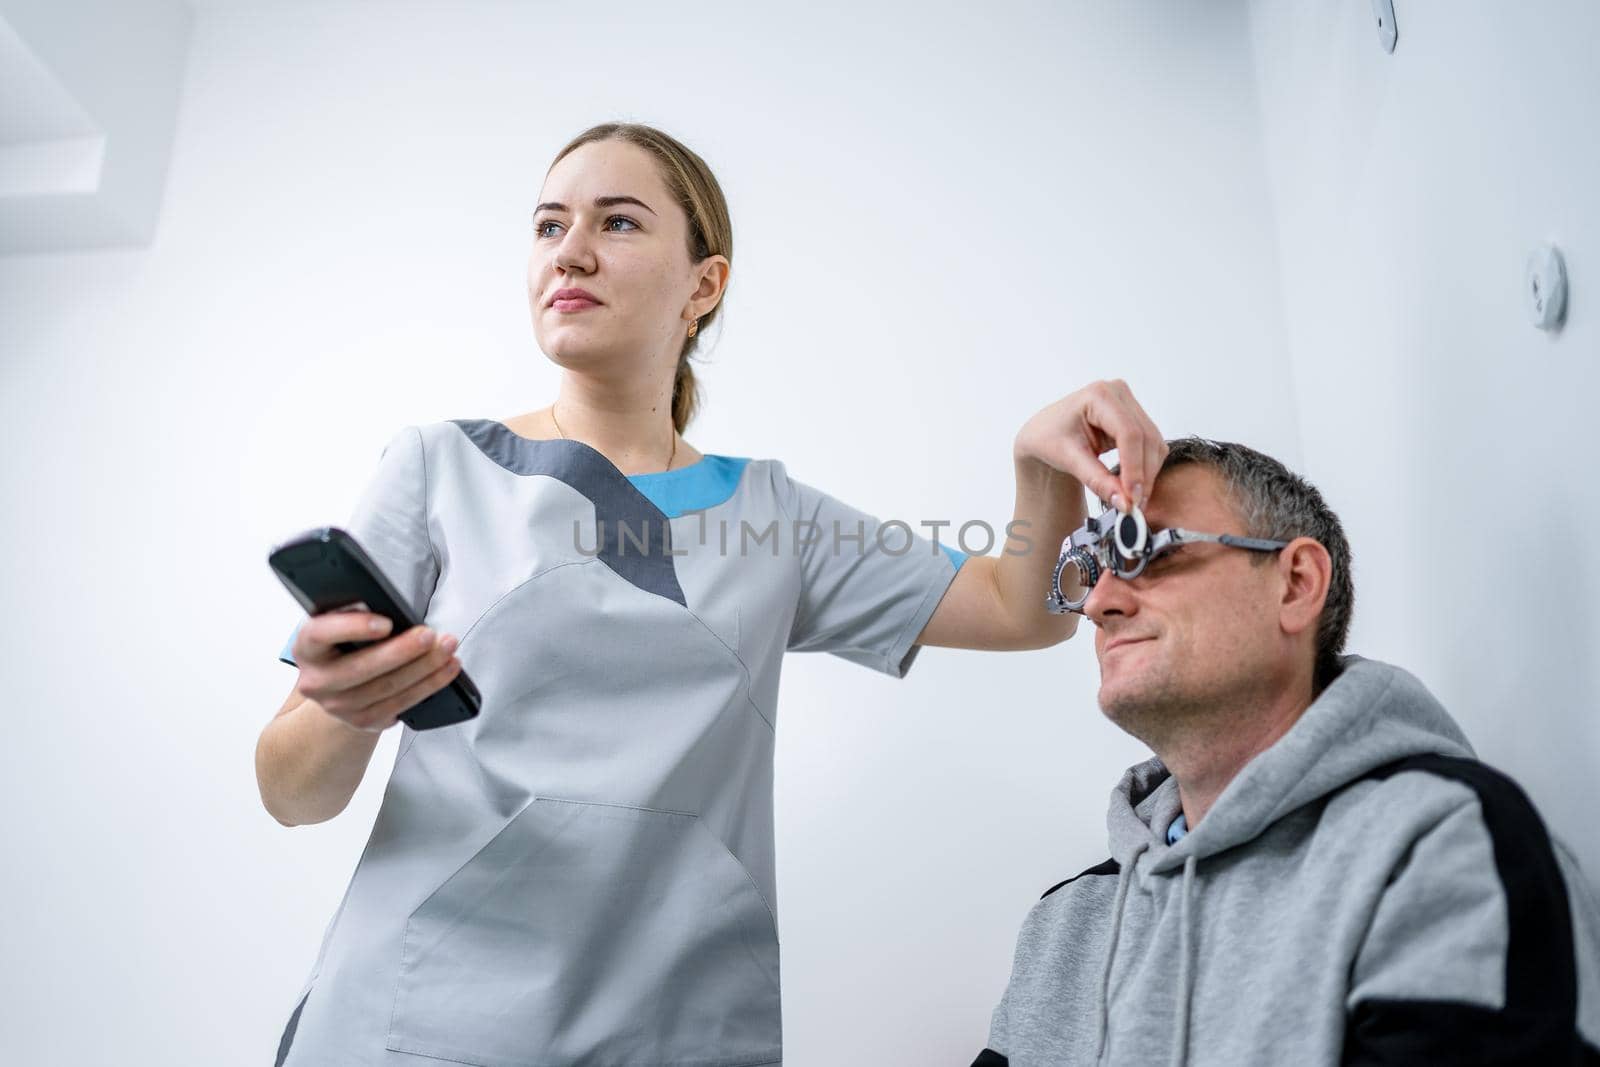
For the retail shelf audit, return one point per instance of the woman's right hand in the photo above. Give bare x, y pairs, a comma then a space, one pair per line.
368, 689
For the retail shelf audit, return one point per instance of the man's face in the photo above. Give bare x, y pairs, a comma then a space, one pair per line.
1198, 631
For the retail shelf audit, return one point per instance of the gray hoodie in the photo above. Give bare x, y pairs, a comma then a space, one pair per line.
1363, 891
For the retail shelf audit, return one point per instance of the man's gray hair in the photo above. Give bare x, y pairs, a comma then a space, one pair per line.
1275, 503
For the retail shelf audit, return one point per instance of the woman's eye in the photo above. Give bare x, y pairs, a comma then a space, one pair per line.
539, 227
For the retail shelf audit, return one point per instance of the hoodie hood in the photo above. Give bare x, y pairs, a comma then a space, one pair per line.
1371, 714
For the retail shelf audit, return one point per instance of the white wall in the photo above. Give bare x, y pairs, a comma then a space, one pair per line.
1454, 438
341, 252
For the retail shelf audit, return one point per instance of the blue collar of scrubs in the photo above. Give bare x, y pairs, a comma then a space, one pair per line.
703, 484
1177, 829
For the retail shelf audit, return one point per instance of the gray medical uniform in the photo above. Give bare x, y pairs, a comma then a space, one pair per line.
583, 874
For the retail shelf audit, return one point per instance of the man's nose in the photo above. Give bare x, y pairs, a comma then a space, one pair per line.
1110, 596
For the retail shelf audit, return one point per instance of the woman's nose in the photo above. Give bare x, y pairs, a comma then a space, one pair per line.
574, 252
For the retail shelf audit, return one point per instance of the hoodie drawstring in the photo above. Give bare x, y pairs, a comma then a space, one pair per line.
1180, 1038
1124, 879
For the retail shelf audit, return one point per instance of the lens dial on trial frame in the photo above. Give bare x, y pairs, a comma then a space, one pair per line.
1087, 571
1090, 550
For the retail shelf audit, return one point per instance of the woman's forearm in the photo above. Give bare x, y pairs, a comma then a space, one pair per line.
308, 764
1049, 506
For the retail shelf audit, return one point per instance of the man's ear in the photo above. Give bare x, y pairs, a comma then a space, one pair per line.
1306, 570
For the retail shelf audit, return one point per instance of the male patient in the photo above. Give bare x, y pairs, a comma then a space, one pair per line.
1314, 869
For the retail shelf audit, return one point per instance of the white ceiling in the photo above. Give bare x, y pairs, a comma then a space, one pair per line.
88, 105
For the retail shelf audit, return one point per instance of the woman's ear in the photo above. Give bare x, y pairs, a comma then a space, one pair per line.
1306, 570
714, 272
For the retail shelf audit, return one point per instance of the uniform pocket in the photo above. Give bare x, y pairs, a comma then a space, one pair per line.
598, 934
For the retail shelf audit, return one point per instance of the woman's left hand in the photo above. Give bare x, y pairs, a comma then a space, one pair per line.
1070, 435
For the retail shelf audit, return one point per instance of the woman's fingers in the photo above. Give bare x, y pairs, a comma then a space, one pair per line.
406, 688
1139, 474
322, 634
1125, 426
1077, 457
369, 687
1073, 433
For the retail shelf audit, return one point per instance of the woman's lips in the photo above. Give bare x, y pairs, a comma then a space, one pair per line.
574, 305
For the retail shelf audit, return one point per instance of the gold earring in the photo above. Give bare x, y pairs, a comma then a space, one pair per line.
693, 326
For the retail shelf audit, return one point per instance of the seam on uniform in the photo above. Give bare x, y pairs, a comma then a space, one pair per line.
427, 532
405, 937
888, 658
399, 973
614, 804
800, 575
587, 472
772, 976
483, 775
749, 682
405, 746
748, 877
897, 654
645, 808
799, 564
535, 575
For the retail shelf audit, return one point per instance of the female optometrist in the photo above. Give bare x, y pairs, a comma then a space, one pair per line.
583, 874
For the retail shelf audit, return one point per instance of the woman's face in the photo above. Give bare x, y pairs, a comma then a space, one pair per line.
607, 224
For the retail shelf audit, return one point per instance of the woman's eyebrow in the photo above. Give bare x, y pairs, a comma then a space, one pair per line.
599, 201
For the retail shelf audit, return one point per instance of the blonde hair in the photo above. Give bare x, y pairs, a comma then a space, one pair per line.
695, 188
